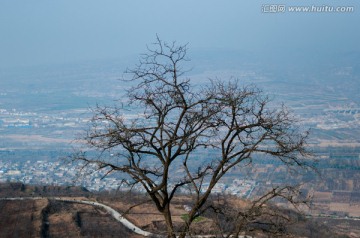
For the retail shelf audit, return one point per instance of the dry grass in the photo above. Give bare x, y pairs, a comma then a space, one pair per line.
37, 222
27, 218
21, 218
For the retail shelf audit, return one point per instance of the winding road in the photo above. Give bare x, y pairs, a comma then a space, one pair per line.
110, 210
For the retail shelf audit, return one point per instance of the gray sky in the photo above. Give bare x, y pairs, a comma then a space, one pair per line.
65, 31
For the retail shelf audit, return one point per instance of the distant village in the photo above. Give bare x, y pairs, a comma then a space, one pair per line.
57, 173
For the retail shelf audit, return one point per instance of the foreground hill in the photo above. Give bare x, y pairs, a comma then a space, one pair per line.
50, 218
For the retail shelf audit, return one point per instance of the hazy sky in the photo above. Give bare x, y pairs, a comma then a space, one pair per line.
46, 32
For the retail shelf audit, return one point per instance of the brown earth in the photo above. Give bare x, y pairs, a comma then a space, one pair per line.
50, 218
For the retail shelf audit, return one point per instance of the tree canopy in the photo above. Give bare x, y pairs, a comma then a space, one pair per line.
168, 122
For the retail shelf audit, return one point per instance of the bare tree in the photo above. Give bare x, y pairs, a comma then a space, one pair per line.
256, 215
169, 122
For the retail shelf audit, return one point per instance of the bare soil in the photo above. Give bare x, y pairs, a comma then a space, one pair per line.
49, 218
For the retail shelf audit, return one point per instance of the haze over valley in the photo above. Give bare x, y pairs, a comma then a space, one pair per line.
60, 61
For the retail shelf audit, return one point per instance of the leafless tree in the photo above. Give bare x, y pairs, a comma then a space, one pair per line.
257, 215
169, 122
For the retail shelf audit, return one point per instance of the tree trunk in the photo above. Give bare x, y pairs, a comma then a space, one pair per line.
168, 220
